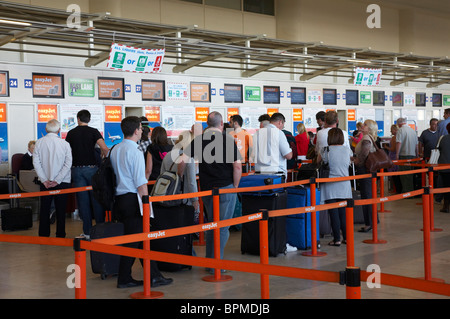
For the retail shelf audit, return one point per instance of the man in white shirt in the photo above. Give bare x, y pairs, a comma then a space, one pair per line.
271, 148
52, 160
406, 148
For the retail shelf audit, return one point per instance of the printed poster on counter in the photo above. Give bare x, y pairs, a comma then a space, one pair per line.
46, 112
309, 118
250, 117
113, 132
177, 91
68, 116
177, 119
132, 59
3, 134
153, 115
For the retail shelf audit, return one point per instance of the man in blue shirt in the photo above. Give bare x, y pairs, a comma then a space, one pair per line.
442, 125
129, 167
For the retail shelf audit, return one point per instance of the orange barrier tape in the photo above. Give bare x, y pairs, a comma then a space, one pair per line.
410, 283
377, 200
47, 193
178, 196
284, 271
308, 209
439, 190
66, 242
344, 178
262, 188
398, 173
179, 230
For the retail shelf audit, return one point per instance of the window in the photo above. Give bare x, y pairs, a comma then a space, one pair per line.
194, 1
260, 6
229, 4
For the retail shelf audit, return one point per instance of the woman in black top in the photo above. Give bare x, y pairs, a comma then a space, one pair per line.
156, 152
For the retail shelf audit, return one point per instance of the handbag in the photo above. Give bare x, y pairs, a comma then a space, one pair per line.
435, 153
377, 160
324, 167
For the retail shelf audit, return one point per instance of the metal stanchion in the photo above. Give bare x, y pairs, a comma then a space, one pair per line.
374, 239
147, 293
313, 252
264, 251
80, 261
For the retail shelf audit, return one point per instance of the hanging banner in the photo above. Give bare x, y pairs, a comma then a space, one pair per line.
367, 77
131, 59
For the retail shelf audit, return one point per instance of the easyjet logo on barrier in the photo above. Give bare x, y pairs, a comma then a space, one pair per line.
54, 192
406, 195
157, 234
383, 199
209, 226
310, 209
257, 216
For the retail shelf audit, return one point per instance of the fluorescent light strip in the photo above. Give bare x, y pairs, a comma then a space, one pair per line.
408, 65
15, 22
358, 61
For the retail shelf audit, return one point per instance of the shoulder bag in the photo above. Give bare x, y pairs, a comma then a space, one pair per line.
435, 153
324, 168
377, 160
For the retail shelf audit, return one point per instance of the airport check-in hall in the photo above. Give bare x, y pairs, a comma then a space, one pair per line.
217, 150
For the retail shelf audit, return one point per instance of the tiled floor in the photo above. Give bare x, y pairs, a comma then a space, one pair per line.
34, 271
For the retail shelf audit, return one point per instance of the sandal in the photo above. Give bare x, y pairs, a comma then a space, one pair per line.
334, 243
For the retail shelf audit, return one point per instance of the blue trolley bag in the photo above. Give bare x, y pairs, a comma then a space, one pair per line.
298, 227
252, 202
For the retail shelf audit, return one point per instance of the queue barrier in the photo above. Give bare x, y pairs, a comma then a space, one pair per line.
351, 277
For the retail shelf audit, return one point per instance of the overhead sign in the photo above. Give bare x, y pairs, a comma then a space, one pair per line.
367, 77
131, 59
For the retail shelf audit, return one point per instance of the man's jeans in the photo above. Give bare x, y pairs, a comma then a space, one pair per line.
88, 207
227, 203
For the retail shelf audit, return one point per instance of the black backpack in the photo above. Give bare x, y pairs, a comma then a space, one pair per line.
104, 183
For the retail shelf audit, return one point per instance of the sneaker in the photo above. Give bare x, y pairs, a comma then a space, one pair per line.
290, 248
87, 237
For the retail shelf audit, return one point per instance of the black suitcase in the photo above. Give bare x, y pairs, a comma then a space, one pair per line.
306, 171
172, 217
358, 215
102, 263
252, 203
17, 218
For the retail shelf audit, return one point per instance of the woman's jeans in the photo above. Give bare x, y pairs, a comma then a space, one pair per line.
88, 207
227, 203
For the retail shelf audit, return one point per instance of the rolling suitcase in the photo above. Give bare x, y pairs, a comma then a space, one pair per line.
270, 200
298, 227
358, 215
102, 263
172, 217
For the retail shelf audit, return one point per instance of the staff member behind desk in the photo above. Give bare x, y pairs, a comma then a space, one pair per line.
129, 167
52, 160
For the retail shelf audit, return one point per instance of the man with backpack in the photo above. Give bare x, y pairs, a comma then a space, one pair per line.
129, 168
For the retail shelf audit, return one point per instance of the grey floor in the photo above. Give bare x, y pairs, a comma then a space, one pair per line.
40, 272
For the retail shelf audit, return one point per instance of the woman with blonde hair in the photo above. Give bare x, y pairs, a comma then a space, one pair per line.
365, 146
302, 140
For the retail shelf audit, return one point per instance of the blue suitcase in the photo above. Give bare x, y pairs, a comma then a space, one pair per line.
261, 180
298, 227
